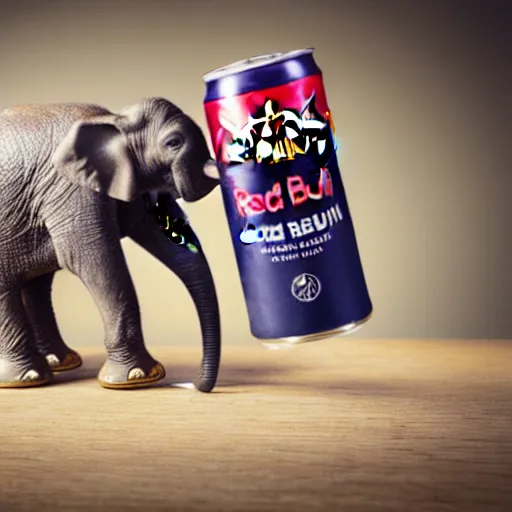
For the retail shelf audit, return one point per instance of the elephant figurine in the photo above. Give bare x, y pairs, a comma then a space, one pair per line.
74, 180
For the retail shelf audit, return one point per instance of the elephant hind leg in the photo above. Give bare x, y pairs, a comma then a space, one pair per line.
37, 298
21, 364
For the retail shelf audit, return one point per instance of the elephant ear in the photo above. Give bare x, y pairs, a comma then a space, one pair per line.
95, 153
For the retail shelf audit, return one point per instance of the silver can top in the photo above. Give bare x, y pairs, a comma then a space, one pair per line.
253, 62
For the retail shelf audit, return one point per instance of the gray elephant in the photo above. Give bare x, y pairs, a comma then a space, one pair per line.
74, 180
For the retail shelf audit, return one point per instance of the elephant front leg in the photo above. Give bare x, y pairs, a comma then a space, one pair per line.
97, 258
37, 298
21, 364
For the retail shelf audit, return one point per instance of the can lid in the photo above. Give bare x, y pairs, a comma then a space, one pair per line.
253, 62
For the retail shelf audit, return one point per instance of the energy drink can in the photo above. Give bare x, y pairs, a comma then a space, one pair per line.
298, 260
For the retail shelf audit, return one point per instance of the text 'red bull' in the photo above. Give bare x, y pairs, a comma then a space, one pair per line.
272, 201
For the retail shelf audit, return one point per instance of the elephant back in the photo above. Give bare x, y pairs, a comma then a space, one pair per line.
30, 133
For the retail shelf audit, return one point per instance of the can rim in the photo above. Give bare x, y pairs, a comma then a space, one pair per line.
252, 63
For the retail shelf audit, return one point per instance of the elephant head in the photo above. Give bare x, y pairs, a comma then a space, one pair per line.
149, 146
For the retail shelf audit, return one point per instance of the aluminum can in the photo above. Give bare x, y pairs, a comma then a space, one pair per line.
274, 141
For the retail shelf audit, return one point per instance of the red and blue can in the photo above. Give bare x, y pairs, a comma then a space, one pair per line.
292, 232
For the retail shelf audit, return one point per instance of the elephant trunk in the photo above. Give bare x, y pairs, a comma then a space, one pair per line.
199, 282
176, 245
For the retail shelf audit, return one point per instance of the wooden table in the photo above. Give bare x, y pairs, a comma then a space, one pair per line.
335, 425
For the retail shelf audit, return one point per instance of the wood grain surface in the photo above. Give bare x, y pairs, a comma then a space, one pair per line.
344, 424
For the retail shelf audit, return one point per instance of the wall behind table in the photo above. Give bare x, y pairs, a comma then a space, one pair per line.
419, 91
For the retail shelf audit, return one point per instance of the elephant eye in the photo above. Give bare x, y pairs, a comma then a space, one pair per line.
174, 142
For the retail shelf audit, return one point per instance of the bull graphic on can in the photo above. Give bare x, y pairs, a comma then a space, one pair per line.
273, 135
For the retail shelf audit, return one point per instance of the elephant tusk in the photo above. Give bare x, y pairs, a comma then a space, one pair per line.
211, 170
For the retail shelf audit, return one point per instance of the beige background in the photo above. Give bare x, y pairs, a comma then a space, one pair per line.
420, 98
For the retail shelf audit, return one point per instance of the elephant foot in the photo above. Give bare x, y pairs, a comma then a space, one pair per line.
30, 375
70, 361
114, 375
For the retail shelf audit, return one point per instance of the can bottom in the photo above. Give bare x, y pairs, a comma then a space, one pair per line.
289, 342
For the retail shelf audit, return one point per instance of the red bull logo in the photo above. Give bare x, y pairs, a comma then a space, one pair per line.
272, 201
